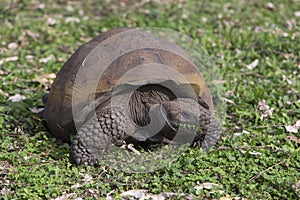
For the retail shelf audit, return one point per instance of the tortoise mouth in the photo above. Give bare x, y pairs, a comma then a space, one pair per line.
186, 126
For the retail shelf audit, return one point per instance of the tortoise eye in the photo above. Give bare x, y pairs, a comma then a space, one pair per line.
185, 114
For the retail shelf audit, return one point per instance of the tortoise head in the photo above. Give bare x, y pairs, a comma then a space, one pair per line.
182, 113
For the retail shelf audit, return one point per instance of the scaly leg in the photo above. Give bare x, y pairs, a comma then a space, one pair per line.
97, 135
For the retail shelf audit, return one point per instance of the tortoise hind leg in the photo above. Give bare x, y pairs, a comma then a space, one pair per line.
97, 135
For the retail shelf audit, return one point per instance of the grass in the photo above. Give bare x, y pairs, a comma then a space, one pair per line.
255, 159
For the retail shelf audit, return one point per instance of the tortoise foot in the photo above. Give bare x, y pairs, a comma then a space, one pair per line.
213, 134
210, 132
81, 155
96, 137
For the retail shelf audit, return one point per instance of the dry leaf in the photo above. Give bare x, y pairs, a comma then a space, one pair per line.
293, 128
36, 110
254, 153
13, 45
32, 34
8, 59
253, 64
17, 98
206, 186
227, 197
46, 80
29, 57
47, 59
267, 111
72, 19
4, 93
296, 186
50, 21
270, 6
131, 147
135, 193
67, 196
294, 138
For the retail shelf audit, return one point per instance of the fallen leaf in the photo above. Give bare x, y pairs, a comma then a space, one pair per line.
29, 57
72, 19
90, 193
254, 153
138, 194
267, 111
32, 34
51, 21
296, 186
46, 80
9, 59
47, 59
67, 196
294, 138
76, 185
16, 98
270, 6
206, 186
298, 123
41, 6
131, 147
293, 128
235, 135
253, 64
4, 93
36, 110
227, 197
13, 45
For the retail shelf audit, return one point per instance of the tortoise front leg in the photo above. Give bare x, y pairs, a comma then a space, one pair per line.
210, 131
97, 135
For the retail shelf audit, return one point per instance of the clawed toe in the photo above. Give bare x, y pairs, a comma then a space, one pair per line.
81, 156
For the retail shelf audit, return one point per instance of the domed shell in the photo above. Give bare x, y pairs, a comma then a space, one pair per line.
114, 59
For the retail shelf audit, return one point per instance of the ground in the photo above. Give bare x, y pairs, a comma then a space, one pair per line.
255, 46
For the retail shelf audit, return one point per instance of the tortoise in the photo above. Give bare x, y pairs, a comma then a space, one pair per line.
164, 93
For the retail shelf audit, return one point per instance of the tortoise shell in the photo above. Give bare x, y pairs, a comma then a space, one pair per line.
114, 59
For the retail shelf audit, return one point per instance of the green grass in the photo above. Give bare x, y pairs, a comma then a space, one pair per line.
255, 158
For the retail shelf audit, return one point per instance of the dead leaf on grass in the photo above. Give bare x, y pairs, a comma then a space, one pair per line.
296, 187
293, 128
4, 93
67, 196
51, 21
138, 194
17, 98
227, 197
207, 186
47, 59
253, 64
270, 6
9, 59
46, 80
297, 13
294, 138
266, 110
32, 34
72, 19
36, 110
12, 46
255, 153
